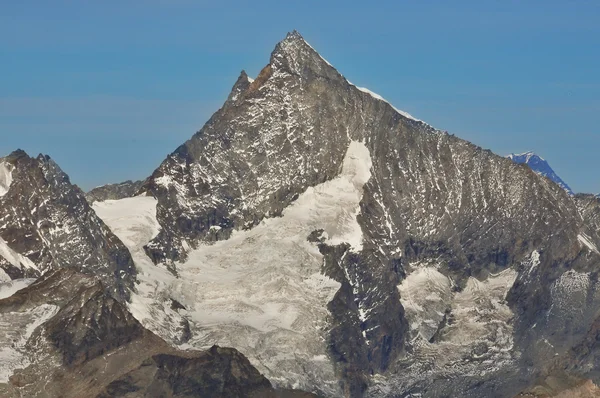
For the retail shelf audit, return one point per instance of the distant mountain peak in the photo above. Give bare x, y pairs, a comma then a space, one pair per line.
540, 166
527, 155
294, 35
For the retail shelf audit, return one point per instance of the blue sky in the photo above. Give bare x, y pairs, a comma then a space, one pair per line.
109, 88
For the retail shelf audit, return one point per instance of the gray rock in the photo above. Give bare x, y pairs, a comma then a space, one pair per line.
47, 224
122, 190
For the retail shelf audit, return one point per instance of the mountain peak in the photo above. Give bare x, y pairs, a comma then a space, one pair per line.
294, 54
528, 156
241, 84
294, 35
539, 165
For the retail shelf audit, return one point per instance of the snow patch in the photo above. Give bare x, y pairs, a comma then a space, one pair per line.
15, 258
134, 222
447, 327
425, 294
9, 288
379, 97
6, 170
534, 261
15, 330
355, 174
587, 242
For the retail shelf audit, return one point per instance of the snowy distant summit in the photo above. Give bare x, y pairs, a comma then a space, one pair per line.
540, 166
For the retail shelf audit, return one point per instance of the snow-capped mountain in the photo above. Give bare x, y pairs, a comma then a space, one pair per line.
339, 244
436, 228
540, 166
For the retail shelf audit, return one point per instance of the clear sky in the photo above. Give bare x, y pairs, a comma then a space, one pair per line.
109, 88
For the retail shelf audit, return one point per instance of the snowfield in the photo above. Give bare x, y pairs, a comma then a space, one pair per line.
5, 178
262, 290
15, 330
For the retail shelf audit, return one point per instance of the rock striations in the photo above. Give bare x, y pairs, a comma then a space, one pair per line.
46, 224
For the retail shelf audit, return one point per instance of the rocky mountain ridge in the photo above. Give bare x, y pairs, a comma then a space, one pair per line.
433, 204
46, 224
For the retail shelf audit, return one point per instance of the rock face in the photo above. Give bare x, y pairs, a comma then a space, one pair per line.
220, 372
501, 253
540, 166
46, 224
125, 189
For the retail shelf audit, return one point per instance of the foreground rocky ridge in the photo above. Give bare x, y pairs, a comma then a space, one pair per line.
90, 345
433, 204
46, 224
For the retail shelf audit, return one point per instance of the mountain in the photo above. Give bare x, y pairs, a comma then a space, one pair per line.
46, 224
540, 166
310, 216
336, 244
122, 190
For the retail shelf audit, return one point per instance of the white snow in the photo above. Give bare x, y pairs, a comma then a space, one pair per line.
134, 221
479, 314
379, 97
8, 288
15, 258
15, 330
425, 294
4, 277
6, 170
534, 261
349, 190
528, 155
587, 241
261, 291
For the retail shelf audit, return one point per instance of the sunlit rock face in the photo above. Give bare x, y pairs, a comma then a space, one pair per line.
46, 224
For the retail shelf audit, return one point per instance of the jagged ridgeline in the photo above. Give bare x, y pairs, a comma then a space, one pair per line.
46, 224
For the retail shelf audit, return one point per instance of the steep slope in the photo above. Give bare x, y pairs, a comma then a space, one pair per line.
540, 166
46, 224
441, 224
122, 190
